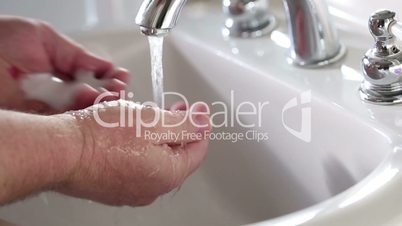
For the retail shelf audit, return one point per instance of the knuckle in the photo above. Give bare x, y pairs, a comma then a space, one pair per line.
44, 24
28, 26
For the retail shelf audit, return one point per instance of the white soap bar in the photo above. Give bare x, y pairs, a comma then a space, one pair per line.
56, 93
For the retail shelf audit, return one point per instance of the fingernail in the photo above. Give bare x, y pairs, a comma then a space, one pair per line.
108, 74
202, 122
179, 107
200, 108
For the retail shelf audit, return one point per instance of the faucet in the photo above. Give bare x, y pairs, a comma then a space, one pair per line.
382, 64
314, 39
158, 17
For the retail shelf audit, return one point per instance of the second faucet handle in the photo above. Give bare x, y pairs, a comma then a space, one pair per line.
382, 64
381, 26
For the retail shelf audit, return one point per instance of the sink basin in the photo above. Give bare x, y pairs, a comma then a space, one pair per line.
341, 167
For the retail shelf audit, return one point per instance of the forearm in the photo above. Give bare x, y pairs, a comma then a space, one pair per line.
36, 152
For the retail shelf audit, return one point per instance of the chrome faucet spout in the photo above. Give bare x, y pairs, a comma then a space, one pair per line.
158, 17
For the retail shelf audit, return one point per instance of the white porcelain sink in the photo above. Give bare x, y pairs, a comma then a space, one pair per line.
347, 174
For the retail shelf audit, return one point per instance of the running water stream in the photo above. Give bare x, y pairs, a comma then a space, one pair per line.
156, 50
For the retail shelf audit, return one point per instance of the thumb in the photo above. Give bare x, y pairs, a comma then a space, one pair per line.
189, 158
190, 153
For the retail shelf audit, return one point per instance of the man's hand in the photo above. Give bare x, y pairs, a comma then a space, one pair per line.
30, 46
129, 167
73, 154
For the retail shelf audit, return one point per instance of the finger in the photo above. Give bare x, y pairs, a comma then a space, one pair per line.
35, 106
108, 95
200, 107
115, 85
187, 159
85, 97
179, 106
193, 154
88, 61
118, 73
67, 56
176, 127
177, 163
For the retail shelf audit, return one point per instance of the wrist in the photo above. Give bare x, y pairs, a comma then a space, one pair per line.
70, 145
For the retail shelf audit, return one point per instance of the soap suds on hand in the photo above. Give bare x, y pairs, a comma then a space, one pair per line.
56, 93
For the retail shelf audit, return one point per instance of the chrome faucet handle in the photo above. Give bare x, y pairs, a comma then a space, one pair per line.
158, 17
247, 18
380, 24
382, 64
314, 39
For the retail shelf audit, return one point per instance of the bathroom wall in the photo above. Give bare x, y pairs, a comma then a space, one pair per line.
75, 15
